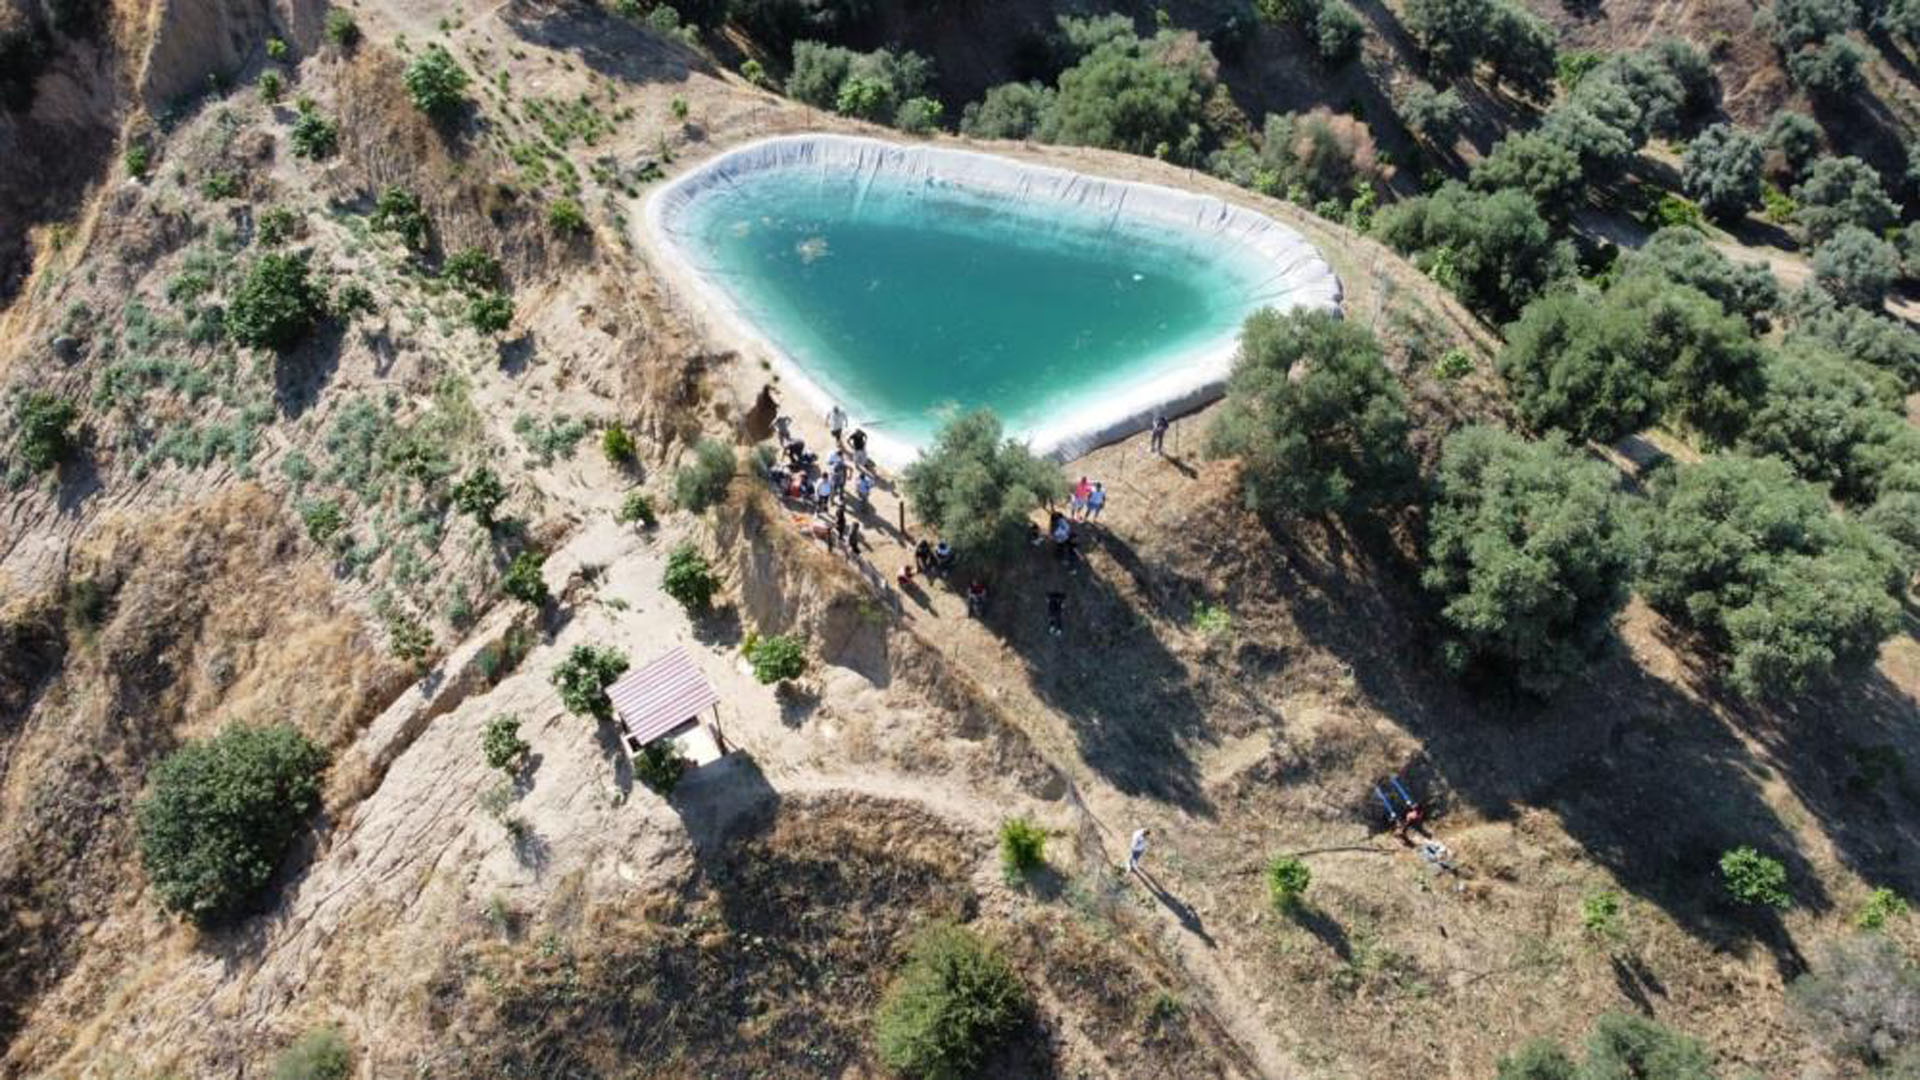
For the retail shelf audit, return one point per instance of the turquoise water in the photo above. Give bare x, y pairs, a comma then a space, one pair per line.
908, 300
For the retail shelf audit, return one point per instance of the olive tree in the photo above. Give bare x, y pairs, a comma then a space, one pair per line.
1856, 267
1684, 257
1494, 250
1842, 191
1721, 171
1332, 440
1757, 563
1529, 553
1008, 111
276, 305
1834, 420
1143, 96
978, 488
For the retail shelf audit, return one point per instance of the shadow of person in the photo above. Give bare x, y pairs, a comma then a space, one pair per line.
1189, 919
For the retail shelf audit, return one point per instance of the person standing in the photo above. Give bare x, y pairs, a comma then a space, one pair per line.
1077, 501
855, 542
823, 493
1096, 501
858, 440
1056, 613
837, 423
865, 488
1137, 850
1159, 440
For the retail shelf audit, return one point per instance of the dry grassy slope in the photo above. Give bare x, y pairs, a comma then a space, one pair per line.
1234, 747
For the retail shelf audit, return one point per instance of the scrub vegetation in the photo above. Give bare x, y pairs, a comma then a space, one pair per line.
1592, 525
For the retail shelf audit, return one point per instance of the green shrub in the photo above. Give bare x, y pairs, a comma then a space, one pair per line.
219, 815
1797, 137
1600, 913
321, 1054
276, 48
1008, 111
703, 481
473, 269
1864, 336
617, 444
220, 184
583, 677
342, 30
918, 115
352, 298
872, 86
1315, 156
407, 639
502, 744
1287, 881
1684, 257
1331, 441
490, 312
276, 305
276, 225
479, 495
977, 488
1453, 364
435, 83
1754, 879
1023, 845
565, 217
45, 422
324, 520
1834, 421
138, 160
777, 657
1434, 115
1882, 906
755, 73
523, 580
689, 579
952, 1003
1529, 552
660, 766
637, 507
1337, 32
1537, 1059
313, 136
399, 211
272, 87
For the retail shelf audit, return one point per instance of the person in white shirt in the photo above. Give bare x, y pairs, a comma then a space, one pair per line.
836, 422
1136, 850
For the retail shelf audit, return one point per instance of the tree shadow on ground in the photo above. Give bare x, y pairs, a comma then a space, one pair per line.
1648, 777
613, 747
1325, 928
1130, 700
611, 46
301, 373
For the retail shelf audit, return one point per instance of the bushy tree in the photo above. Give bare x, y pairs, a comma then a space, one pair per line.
952, 1003
276, 305
1842, 191
1452, 33
872, 86
1684, 257
1434, 115
1856, 267
1625, 1046
1337, 31
703, 481
660, 766
690, 579
400, 212
342, 31
583, 677
436, 84
777, 22
1900, 18
1796, 138
1542, 166
312, 135
1009, 111
1865, 336
1833, 420
1755, 561
1832, 70
1141, 96
1861, 1000
1493, 250
1601, 368
1331, 441
1721, 171
978, 488
1521, 49
1538, 1059
45, 421
1797, 23
1529, 552
220, 814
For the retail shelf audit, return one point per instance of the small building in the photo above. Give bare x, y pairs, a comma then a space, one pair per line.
669, 698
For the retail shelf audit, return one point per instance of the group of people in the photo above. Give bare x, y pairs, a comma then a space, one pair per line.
846, 476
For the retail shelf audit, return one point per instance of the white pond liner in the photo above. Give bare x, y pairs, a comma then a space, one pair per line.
1290, 271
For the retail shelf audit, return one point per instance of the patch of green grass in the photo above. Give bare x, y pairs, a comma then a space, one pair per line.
549, 439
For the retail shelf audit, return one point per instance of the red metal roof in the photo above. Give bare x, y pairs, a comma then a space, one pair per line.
661, 695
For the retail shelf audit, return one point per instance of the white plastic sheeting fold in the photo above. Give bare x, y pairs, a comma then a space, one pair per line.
1282, 269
